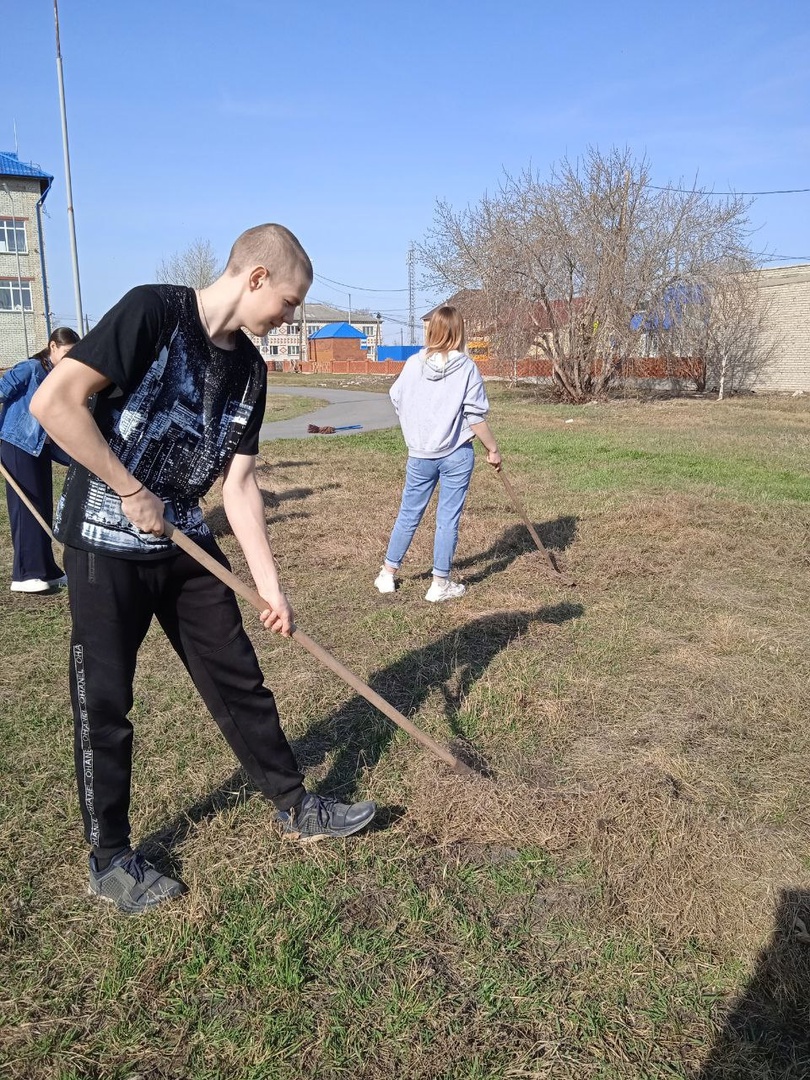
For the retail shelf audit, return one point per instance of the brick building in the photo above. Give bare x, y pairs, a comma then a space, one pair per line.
787, 292
336, 342
24, 309
290, 342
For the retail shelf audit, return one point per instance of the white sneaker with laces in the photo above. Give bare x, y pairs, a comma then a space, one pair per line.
31, 585
444, 590
385, 582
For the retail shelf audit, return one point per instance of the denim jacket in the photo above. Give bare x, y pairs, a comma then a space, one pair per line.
17, 425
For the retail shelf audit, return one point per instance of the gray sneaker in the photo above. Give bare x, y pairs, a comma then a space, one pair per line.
132, 883
320, 818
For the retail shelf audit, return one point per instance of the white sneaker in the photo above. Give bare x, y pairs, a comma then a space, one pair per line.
444, 590
32, 585
58, 582
384, 582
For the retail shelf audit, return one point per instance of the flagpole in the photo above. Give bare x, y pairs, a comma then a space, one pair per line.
77, 289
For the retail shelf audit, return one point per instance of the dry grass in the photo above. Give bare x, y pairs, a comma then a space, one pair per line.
632, 856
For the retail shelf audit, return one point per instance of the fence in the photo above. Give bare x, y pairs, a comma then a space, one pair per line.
636, 367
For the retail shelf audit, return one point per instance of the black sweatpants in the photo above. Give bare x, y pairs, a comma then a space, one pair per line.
112, 602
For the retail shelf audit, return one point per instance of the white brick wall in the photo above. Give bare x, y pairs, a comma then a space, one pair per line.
21, 203
787, 291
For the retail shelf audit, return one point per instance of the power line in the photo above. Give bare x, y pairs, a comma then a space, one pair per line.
726, 194
356, 288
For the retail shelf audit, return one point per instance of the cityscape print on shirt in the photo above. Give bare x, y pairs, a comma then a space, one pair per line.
175, 432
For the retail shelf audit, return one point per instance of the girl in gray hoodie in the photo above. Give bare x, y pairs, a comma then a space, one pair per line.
442, 406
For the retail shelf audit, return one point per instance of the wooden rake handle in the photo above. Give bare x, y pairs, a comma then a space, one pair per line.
27, 502
522, 514
316, 650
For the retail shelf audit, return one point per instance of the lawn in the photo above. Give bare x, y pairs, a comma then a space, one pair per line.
288, 406
614, 895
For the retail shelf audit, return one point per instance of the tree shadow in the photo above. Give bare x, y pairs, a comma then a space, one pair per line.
359, 734
766, 1033
516, 540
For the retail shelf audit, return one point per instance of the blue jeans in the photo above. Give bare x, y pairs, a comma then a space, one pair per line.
452, 474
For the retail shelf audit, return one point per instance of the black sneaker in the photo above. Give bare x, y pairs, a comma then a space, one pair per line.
320, 818
132, 883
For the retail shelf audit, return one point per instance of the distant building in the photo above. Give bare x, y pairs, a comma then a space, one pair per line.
290, 341
337, 342
786, 291
25, 322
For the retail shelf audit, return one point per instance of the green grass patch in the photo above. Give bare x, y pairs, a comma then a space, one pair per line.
288, 406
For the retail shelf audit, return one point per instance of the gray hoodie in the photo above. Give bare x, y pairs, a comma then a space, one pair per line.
436, 399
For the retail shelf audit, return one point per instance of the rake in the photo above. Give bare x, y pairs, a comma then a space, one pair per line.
550, 564
322, 655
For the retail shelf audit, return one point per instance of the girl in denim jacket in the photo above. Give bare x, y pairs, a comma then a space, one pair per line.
26, 454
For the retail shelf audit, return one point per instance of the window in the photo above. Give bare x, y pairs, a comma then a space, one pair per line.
15, 295
12, 236
369, 331
292, 328
294, 350
273, 350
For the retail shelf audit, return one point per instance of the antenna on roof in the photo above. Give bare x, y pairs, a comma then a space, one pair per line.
16, 148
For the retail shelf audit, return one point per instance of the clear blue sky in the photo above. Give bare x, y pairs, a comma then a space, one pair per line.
347, 120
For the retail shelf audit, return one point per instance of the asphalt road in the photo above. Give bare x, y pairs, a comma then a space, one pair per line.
373, 411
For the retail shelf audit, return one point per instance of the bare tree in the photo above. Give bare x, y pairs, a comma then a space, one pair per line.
725, 329
196, 266
566, 265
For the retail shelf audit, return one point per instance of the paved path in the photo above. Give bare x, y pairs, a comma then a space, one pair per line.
373, 411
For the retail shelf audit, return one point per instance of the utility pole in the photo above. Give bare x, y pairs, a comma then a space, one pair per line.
350, 309
303, 330
77, 289
411, 295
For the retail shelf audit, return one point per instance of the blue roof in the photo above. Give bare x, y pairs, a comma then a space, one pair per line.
667, 314
337, 329
10, 165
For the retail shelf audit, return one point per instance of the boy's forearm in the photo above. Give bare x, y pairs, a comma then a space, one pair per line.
244, 508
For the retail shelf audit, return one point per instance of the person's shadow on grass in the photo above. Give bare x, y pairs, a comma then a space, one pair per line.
217, 520
360, 734
766, 1031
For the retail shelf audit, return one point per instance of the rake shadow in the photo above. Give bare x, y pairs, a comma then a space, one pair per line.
765, 1034
557, 535
360, 734
262, 465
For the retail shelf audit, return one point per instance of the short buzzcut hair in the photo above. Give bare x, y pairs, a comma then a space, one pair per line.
271, 246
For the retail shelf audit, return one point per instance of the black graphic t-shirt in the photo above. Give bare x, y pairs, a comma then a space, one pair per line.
177, 411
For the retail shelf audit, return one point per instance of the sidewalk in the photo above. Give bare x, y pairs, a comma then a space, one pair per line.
373, 411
